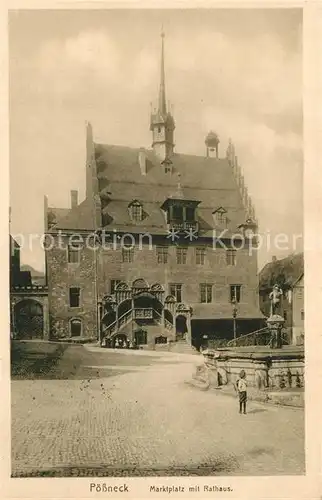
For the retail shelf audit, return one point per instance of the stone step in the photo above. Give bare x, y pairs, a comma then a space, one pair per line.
181, 346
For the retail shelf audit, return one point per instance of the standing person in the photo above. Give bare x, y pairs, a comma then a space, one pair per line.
241, 386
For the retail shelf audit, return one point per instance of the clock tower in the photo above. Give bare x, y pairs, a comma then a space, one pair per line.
162, 123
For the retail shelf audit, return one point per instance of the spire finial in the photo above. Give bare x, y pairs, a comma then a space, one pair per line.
162, 98
179, 187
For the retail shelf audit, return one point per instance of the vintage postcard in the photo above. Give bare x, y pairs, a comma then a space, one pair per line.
161, 340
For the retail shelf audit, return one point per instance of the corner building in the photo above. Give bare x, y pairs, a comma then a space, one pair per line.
171, 234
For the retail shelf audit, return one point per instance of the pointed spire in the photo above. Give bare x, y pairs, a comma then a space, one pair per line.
162, 97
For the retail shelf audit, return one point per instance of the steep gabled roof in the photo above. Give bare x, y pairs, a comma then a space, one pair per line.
209, 180
78, 218
285, 272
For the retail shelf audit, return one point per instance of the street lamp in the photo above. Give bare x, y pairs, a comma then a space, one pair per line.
235, 310
99, 320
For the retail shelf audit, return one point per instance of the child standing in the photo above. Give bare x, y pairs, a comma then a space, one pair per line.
241, 386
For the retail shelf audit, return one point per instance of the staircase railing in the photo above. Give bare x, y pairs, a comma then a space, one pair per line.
123, 320
157, 316
168, 325
114, 327
258, 337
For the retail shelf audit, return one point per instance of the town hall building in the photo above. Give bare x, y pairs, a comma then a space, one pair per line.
159, 249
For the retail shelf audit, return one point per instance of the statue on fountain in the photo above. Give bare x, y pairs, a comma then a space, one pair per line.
275, 298
275, 321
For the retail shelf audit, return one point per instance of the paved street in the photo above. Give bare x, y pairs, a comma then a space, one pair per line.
103, 412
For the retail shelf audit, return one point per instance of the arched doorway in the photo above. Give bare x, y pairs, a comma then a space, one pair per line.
181, 327
29, 319
75, 327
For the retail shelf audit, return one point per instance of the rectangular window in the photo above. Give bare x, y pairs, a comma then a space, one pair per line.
220, 218
190, 214
302, 315
205, 293
73, 254
231, 257
200, 256
300, 293
162, 255
113, 285
177, 213
127, 254
235, 293
176, 291
74, 297
136, 212
181, 255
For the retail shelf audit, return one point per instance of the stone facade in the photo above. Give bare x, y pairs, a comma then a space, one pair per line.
283, 369
188, 207
96, 271
61, 277
298, 312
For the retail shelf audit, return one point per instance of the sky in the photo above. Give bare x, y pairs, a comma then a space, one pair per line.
235, 71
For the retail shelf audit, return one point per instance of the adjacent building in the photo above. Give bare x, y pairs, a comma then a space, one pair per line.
288, 273
159, 248
29, 312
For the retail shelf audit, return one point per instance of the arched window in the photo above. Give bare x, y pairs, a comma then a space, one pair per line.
75, 327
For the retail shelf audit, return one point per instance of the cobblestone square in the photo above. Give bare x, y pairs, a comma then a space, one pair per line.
105, 412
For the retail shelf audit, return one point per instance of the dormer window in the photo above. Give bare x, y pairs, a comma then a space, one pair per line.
136, 211
181, 214
168, 166
220, 217
249, 229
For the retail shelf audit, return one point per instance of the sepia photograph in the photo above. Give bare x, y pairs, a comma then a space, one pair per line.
157, 319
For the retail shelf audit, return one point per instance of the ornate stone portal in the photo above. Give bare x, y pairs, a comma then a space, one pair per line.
143, 303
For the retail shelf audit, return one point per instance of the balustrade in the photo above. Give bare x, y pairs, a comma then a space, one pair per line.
143, 313
259, 337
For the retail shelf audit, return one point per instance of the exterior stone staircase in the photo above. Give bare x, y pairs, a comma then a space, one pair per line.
182, 347
124, 324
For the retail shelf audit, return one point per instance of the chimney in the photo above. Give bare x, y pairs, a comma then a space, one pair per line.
274, 258
142, 161
74, 198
